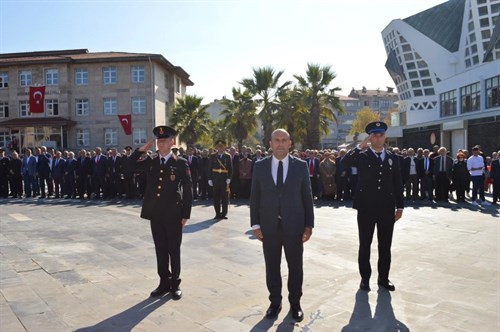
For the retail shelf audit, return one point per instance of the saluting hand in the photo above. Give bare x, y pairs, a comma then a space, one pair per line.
398, 215
363, 145
147, 146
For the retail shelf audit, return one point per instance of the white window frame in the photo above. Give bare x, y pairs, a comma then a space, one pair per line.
82, 107
177, 85
110, 106
81, 76
52, 107
4, 79
83, 137
138, 73
4, 109
109, 75
110, 137
52, 76
138, 105
24, 109
25, 78
139, 136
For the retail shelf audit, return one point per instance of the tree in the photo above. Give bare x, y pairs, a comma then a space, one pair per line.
292, 115
265, 84
191, 120
319, 98
240, 115
363, 117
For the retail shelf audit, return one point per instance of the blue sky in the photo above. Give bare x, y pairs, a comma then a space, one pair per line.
218, 42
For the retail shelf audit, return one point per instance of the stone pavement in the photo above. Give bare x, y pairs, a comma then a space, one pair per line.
71, 265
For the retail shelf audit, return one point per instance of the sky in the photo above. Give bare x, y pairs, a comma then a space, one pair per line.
218, 42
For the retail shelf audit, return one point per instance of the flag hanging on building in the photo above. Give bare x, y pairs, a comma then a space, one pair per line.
37, 97
126, 121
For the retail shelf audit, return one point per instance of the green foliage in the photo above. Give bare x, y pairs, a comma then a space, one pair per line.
363, 117
191, 120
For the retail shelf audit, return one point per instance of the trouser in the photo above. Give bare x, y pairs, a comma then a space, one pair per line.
167, 237
426, 187
412, 186
496, 191
220, 197
245, 185
478, 186
45, 179
385, 227
29, 184
442, 186
203, 185
272, 245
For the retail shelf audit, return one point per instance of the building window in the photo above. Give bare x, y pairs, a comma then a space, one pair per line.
137, 74
4, 138
471, 97
4, 79
4, 109
448, 103
109, 75
110, 106
24, 108
82, 107
83, 137
139, 136
110, 137
81, 77
52, 77
493, 92
52, 107
138, 105
25, 78
177, 85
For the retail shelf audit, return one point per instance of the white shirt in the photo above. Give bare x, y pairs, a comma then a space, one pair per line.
274, 168
475, 162
382, 156
165, 157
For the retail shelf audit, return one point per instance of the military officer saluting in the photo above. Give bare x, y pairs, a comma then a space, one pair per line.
220, 171
378, 199
167, 204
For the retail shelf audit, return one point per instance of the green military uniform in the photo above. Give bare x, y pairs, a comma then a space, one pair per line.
220, 169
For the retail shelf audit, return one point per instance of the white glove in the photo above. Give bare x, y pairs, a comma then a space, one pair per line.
210, 183
228, 181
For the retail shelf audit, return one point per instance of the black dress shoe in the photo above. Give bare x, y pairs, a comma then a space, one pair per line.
297, 313
223, 217
160, 290
364, 285
217, 217
387, 284
176, 294
273, 311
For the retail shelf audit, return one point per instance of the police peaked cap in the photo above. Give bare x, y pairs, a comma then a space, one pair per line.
376, 127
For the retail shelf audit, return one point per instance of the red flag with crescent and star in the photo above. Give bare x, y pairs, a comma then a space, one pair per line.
126, 121
37, 96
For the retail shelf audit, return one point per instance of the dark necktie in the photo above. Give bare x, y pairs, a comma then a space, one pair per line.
279, 180
379, 155
162, 161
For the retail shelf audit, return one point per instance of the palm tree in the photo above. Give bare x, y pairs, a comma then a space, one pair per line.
265, 84
319, 99
240, 117
292, 115
191, 119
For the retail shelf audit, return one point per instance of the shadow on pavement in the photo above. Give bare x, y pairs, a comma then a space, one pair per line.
383, 320
125, 321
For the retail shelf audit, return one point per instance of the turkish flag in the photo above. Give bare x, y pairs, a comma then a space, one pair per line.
37, 96
126, 121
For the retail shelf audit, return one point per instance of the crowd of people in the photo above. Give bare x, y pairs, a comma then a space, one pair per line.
435, 175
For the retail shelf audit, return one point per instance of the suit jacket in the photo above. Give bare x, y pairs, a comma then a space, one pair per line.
169, 191
495, 170
98, 169
58, 171
380, 186
70, 169
294, 198
43, 165
421, 167
316, 166
83, 167
407, 166
193, 166
29, 165
448, 165
114, 167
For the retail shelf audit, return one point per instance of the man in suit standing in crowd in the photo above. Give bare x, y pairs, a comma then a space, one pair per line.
495, 176
282, 216
220, 172
425, 167
411, 175
442, 174
28, 172
44, 172
58, 169
193, 166
167, 204
98, 172
379, 201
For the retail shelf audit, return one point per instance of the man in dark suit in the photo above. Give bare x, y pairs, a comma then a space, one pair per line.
282, 216
220, 172
495, 176
70, 176
83, 170
442, 174
425, 167
411, 175
58, 170
167, 204
205, 189
44, 172
313, 166
28, 172
342, 177
193, 166
114, 172
378, 199
4, 174
98, 172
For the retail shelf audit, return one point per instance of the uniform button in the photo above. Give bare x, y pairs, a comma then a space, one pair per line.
380, 173
379, 180
381, 165
159, 187
161, 171
158, 195
160, 179
378, 188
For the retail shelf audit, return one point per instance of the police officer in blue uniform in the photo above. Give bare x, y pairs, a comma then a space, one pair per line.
167, 204
379, 201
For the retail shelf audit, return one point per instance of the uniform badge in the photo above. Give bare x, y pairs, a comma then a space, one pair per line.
390, 161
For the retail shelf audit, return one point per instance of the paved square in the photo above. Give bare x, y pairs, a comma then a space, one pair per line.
69, 265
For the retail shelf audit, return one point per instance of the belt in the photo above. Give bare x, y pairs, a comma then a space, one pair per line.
219, 170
